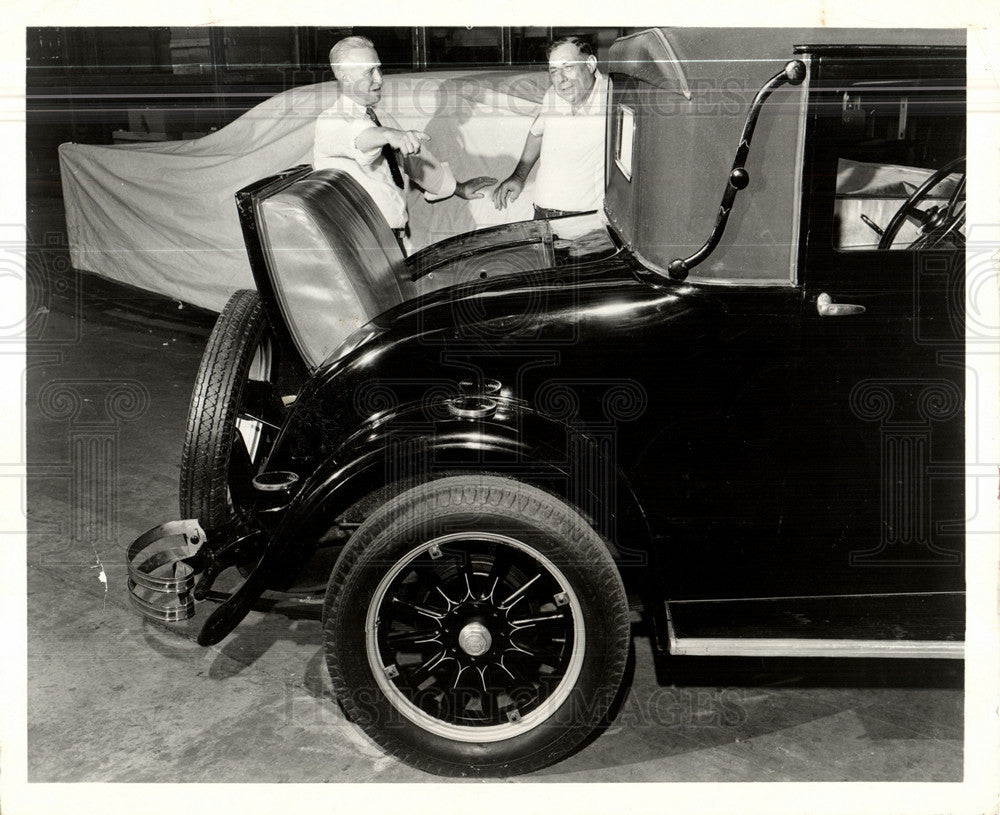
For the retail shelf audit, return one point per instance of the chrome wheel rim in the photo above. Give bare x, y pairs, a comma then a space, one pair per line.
475, 637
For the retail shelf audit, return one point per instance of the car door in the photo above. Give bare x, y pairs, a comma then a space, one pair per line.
875, 502
866, 557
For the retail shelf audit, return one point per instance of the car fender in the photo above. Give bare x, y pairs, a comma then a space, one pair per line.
392, 452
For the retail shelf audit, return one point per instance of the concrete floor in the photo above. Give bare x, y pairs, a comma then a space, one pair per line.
115, 698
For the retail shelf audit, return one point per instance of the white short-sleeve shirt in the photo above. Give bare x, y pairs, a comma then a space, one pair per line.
571, 165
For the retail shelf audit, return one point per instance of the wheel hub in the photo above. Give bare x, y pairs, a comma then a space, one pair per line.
475, 639
475, 631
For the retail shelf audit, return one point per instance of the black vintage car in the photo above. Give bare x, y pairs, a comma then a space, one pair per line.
735, 397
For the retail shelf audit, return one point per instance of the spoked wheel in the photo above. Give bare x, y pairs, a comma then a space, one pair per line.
476, 626
235, 413
486, 635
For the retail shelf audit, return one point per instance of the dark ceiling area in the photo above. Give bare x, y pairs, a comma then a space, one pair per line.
125, 85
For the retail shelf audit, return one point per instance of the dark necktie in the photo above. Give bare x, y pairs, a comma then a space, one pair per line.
387, 152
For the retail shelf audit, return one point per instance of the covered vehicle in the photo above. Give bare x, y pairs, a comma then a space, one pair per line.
159, 215
735, 396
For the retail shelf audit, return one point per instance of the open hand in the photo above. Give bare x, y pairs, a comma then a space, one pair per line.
473, 188
507, 192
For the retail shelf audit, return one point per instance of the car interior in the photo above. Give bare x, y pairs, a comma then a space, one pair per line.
893, 138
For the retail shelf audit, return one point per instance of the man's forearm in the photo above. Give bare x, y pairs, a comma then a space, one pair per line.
371, 138
532, 150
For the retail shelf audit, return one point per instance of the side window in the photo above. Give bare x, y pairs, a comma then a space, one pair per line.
624, 138
900, 168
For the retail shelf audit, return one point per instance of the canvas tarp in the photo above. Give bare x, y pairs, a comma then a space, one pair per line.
161, 216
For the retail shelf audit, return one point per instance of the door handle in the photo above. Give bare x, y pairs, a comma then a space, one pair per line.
827, 308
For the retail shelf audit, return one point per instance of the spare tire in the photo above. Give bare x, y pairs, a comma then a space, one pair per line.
235, 412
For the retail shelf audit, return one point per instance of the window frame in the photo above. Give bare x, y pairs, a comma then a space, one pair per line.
820, 261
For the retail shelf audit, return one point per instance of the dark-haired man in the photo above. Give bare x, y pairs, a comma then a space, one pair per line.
567, 137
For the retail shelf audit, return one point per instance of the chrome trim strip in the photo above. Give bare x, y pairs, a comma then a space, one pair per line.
775, 647
815, 596
798, 175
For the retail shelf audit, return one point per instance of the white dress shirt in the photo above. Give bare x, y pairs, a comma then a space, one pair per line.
337, 129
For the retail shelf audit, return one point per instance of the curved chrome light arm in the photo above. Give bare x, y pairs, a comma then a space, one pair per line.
793, 73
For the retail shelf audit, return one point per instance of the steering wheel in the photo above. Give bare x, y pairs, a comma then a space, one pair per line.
937, 224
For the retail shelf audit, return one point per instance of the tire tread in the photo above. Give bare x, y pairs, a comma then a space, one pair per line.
212, 413
501, 496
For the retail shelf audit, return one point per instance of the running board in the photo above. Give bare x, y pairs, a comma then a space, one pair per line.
737, 647
928, 625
